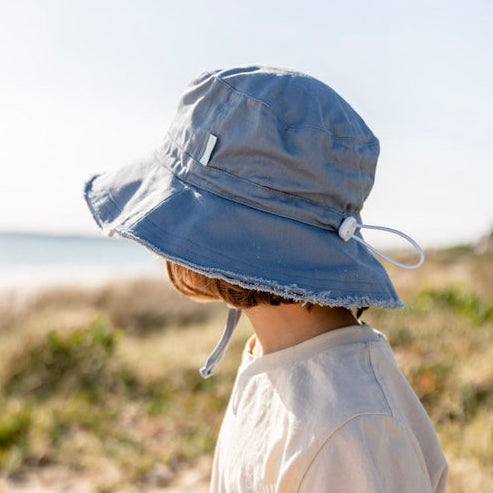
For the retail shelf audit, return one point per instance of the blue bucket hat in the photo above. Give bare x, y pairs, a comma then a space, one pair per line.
259, 181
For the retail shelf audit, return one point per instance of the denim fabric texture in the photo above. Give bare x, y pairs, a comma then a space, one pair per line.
258, 169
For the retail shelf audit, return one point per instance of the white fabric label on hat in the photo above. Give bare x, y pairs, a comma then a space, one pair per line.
206, 156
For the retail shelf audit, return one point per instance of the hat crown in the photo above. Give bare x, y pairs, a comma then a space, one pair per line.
298, 100
281, 135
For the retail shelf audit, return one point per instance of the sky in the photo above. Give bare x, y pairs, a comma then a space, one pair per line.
88, 86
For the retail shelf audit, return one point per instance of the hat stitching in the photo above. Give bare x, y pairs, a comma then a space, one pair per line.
129, 221
144, 214
289, 126
234, 198
210, 166
238, 260
196, 245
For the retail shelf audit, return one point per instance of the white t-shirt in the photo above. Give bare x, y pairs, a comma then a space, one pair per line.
332, 414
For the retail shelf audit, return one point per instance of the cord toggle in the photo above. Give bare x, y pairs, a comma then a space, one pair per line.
347, 230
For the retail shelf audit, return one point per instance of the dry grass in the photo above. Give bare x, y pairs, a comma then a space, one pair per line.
443, 342
104, 381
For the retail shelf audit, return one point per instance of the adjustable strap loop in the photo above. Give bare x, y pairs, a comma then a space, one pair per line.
217, 354
349, 226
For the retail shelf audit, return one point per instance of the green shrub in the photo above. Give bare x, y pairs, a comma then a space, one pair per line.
401, 336
63, 362
458, 299
14, 426
475, 398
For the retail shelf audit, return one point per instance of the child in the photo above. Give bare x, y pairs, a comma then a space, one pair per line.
254, 198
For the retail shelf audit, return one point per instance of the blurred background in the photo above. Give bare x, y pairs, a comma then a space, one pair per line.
99, 388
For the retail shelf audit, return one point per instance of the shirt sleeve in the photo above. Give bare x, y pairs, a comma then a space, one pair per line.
371, 454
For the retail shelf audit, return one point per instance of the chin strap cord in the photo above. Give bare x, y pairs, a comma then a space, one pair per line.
349, 226
217, 354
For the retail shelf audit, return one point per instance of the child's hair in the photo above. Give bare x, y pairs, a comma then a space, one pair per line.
194, 284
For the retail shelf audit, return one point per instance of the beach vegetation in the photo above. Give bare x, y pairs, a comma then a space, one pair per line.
104, 383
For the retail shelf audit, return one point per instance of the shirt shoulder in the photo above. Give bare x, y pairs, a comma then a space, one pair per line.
375, 454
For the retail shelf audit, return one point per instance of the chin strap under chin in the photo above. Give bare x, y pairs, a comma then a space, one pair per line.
217, 354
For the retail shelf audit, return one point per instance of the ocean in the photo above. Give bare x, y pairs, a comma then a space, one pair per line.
34, 260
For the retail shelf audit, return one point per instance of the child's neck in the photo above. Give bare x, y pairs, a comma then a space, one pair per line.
283, 326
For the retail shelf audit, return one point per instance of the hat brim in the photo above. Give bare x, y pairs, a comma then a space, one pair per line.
242, 245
